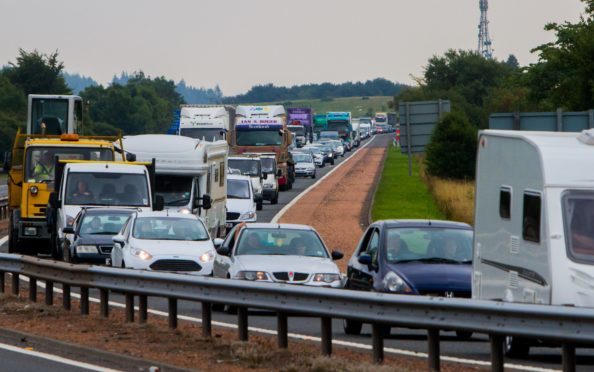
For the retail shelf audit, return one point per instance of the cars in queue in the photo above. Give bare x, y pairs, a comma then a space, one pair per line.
241, 206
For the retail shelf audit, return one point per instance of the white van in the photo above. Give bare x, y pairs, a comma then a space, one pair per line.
241, 206
534, 219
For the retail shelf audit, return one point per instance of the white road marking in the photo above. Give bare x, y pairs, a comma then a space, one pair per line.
54, 358
4, 240
298, 336
304, 192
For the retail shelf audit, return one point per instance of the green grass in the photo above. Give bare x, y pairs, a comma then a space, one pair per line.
358, 106
400, 196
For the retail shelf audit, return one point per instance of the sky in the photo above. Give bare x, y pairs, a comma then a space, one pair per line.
240, 43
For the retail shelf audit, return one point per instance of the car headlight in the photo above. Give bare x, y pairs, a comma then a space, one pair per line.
252, 275
86, 249
184, 210
394, 283
207, 257
247, 216
326, 278
143, 255
34, 190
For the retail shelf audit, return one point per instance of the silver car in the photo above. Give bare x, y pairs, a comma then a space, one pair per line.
281, 253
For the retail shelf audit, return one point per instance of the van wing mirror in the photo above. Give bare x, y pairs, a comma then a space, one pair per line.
206, 201
119, 239
223, 251
365, 259
217, 242
68, 230
130, 157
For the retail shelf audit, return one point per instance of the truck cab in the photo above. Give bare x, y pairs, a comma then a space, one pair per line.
206, 122
54, 114
299, 134
341, 123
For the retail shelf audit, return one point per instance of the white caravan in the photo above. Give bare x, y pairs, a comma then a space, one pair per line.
534, 218
211, 123
190, 174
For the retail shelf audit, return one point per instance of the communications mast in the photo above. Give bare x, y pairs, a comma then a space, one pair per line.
484, 43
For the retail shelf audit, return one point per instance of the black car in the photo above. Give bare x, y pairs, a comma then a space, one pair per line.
89, 239
413, 257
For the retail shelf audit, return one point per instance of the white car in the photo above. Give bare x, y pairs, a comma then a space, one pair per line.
164, 241
241, 206
250, 166
304, 165
282, 253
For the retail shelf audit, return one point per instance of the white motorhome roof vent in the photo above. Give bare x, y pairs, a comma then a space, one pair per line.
587, 137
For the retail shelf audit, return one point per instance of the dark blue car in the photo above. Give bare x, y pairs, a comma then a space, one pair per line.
416, 257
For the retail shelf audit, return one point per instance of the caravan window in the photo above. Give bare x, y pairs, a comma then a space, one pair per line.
578, 218
531, 217
505, 203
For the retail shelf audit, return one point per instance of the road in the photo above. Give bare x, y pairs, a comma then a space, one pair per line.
3, 191
474, 351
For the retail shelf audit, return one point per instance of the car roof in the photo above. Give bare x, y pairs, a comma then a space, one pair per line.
231, 176
166, 214
286, 226
102, 210
423, 223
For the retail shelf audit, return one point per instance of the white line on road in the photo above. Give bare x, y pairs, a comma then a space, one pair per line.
302, 194
3, 240
298, 336
54, 358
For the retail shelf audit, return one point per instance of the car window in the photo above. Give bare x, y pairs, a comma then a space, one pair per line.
428, 243
280, 242
102, 224
230, 238
169, 228
373, 246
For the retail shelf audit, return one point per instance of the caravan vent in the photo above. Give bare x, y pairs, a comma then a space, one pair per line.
513, 279
514, 244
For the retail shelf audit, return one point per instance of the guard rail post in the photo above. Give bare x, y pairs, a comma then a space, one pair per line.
377, 342
49, 293
206, 319
142, 309
32, 289
172, 312
84, 300
326, 336
242, 323
496, 352
282, 330
433, 349
15, 284
104, 302
66, 296
2, 277
568, 357
129, 308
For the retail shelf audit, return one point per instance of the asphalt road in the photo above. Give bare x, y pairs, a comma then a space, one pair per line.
475, 350
3, 191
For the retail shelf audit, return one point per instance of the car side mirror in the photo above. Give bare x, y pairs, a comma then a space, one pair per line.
68, 230
119, 239
365, 259
130, 156
53, 200
159, 203
217, 242
223, 251
337, 255
206, 201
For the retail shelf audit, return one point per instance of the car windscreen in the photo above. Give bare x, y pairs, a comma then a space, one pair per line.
247, 167
103, 224
208, 134
280, 242
267, 165
380, 119
109, 189
258, 137
175, 190
313, 150
40, 160
169, 228
238, 189
302, 158
428, 244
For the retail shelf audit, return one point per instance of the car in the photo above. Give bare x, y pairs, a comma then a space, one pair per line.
326, 151
317, 154
412, 257
241, 206
304, 165
164, 241
277, 253
336, 145
250, 165
89, 239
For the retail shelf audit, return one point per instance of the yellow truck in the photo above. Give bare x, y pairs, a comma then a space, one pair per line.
31, 181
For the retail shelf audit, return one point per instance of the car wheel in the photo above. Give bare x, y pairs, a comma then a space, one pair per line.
352, 327
332, 162
275, 199
313, 175
515, 347
464, 335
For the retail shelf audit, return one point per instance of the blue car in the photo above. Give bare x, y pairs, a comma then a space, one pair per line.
413, 257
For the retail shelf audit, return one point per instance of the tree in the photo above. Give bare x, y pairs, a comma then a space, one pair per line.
37, 73
451, 152
512, 61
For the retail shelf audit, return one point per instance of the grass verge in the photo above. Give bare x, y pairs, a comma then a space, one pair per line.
454, 198
401, 196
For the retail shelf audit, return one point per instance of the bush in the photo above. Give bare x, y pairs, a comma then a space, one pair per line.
451, 153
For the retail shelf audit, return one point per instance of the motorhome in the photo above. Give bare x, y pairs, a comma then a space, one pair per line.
206, 122
534, 220
189, 174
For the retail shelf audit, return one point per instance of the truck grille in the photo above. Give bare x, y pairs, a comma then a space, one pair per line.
284, 276
175, 265
232, 216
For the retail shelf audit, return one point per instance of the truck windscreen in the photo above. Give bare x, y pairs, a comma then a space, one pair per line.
40, 159
107, 189
380, 119
298, 130
175, 190
49, 116
259, 137
247, 167
340, 126
208, 134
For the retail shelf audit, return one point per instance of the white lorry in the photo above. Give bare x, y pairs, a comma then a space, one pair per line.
208, 122
190, 174
534, 221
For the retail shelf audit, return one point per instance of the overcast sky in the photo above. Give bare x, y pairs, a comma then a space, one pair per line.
239, 43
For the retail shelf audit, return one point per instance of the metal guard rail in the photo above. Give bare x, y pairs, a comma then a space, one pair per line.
569, 326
